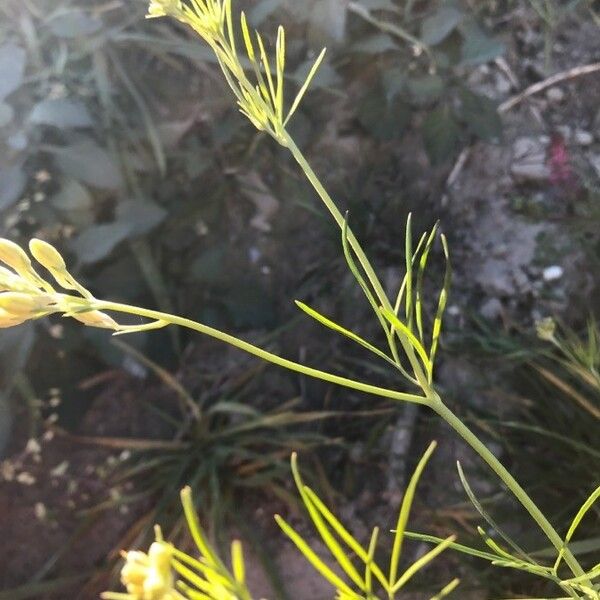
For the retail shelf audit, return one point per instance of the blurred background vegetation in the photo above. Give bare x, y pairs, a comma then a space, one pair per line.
120, 144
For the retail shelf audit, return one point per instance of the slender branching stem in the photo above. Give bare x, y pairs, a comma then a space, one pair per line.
339, 219
511, 483
259, 352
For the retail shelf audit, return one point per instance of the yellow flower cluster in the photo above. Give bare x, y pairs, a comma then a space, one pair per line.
261, 102
25, 295
147, 576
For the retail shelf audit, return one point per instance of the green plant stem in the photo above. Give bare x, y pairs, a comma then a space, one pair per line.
256, 351
340, 220
511, 483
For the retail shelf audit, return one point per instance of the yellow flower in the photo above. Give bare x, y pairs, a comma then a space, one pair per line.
162, 8
148, 576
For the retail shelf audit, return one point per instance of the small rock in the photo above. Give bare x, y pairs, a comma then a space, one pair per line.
535, 170
529, 160
555, 95
491, 309
552, 273
583, 138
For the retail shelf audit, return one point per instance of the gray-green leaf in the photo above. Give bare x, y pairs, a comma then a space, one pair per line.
440, 135
61, 112
440, 25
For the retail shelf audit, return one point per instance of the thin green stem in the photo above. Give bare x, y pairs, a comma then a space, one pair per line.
339, 219
259, 352
511, 483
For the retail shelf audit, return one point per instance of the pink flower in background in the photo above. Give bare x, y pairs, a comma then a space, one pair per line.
559, 163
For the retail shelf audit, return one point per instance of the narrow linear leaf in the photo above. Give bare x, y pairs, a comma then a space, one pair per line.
326, 535
442, 301
447, 589
346, 332
422, 563
313, 559
405, 507
404, 331
420, 278
345, 535
422, 537
479, 508
585, 507
305, 85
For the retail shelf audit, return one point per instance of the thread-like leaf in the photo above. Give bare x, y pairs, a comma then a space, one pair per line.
446, 589
314, 560
585, 507
422, 562
326, 535
443, 299
496, 548
479, 508
403, 330
422, 537
404, 513
369, 295
408, 257
305, 85
237, 562
368, 566
267, 68
195, 529
402, 288
280, 59
345, 535
420, 278
346, 332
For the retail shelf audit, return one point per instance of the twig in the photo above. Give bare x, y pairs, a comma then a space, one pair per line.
456, 170
546, 83
395, 30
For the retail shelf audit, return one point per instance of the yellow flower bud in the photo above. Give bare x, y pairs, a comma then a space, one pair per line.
149, 576
95, 318
19, 304
14, 256
10, 282
9, 320
161, 8
546, 328
47, 255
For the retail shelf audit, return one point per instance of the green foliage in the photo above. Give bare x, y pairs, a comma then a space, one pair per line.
207, 577
226, 444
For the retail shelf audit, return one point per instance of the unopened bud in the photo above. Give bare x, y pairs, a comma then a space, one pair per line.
161, 8
24, 305
9, 320
95, 318
14, 256
546, 329
47, 255
9, 282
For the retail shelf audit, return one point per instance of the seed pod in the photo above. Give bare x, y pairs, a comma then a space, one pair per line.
47, 255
